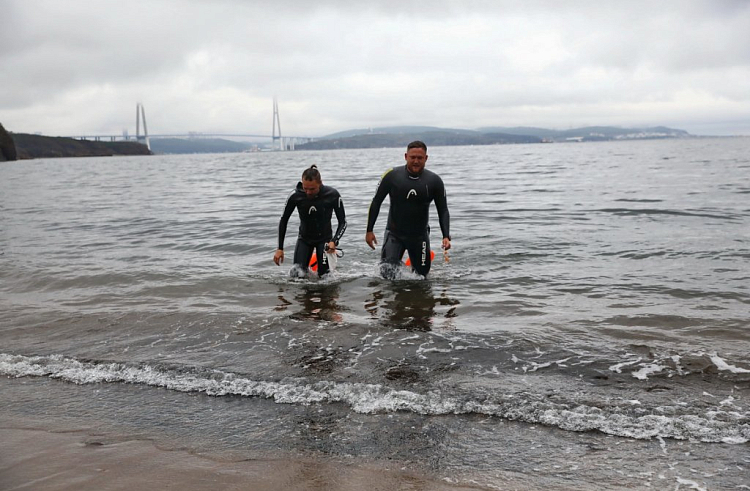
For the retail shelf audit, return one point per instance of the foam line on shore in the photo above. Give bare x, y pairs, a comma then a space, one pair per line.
717, 426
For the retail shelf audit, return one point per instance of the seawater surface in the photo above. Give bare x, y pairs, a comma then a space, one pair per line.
591, 324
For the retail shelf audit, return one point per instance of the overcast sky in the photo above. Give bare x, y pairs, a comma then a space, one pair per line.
69, 67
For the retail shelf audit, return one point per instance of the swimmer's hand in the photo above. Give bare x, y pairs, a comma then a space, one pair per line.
446, 246
278, 258
371, 240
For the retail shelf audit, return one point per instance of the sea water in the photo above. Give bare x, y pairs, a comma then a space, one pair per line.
590, 325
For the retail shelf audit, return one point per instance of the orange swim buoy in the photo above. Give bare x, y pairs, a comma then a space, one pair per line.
314, 262
432, 258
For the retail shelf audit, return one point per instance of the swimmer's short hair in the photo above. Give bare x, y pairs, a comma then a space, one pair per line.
416, 144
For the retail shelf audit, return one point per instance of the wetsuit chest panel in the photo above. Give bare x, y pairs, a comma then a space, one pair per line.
410, 203
309, 208
315, 215
409, 191
416, 192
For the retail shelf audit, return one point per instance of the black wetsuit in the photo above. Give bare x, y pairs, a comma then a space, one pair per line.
315, 225
408, 216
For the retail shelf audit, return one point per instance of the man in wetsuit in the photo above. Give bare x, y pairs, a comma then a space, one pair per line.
411, 189
315, 204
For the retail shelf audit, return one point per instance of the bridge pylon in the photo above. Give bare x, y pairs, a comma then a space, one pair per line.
140, 113
276, 125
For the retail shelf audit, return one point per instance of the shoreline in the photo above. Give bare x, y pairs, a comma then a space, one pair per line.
66, 446
78, 460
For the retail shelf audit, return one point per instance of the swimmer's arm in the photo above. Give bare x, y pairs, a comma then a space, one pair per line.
444, 216
341, 217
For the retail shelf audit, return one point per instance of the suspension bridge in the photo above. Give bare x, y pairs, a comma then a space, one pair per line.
278, 141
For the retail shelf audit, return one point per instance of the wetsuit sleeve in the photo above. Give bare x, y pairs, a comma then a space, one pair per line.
441, 203
341, 217
288, 209
384, 187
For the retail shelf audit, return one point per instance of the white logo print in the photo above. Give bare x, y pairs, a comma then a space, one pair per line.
424, 253
312, 209
411, 191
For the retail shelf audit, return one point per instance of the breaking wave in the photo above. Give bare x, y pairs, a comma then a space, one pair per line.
724, 423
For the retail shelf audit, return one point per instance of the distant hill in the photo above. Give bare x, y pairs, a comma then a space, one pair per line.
521, 130
197, 145
430, 137
399, 136
37, 147
593, 133
394, 130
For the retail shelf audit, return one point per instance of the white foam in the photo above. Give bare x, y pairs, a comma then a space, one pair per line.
409, 338
644, 372
375, 398
536, 366
692, 484
618, 368
722, 365
729, 401
734, 440
662, 444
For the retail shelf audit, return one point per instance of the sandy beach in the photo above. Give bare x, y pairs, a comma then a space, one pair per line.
43, 460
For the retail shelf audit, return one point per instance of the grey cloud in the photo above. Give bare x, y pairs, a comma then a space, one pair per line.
336, 64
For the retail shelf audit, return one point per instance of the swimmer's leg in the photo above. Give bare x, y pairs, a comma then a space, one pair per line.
323, 266
419, 252
302, 254
390, 256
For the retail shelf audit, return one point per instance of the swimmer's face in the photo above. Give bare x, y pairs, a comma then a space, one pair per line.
416, 158
311, 188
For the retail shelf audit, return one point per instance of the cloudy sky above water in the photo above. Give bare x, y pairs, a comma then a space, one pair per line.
70, 67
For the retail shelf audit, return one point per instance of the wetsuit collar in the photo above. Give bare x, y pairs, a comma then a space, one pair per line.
413, 176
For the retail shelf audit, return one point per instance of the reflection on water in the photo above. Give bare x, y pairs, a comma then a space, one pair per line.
318, 302
412, 306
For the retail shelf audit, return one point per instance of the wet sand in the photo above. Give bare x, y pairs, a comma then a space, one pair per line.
43, 460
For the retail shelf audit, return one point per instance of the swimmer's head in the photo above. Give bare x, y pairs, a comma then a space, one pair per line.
311, 181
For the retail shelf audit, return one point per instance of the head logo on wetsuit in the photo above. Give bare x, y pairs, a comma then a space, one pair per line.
411, 191
312, 209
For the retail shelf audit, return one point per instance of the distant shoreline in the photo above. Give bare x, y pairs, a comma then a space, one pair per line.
400, 136
30, 147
